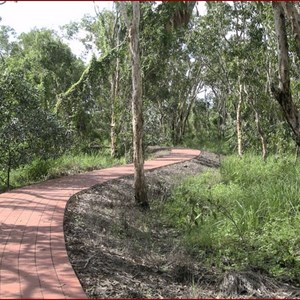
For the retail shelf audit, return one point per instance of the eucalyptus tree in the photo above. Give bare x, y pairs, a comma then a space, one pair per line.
210, 47
283, 92
110, 34
169, 83
132, 25
184, 82
234, 43
179, 15
104, 35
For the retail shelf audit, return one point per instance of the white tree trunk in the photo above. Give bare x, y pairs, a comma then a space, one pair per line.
137, 104
239, 121
114, 98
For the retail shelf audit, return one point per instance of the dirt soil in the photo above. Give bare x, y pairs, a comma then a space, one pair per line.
119, 251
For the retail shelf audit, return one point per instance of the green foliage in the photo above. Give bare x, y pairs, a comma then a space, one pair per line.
6, 45
235, 44
26, 130
47, 63
245, 216
171, 79
80, 98
87, 104
38, 169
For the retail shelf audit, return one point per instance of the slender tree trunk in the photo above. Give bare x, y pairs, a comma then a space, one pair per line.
260, 131
115, 91
112, 118
283, 93
188, 110
174, 126
137, 115
186, 117
8, 171
221, 108
239, 121
114, 96
261, 135
137, 103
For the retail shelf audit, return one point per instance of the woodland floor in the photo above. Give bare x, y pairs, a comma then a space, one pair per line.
119, 251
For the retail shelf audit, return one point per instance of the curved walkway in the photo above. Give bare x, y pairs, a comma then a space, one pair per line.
33, 257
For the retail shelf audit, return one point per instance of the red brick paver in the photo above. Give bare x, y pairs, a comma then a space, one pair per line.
33, 258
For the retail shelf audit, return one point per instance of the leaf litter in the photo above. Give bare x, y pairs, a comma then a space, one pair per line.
119, 251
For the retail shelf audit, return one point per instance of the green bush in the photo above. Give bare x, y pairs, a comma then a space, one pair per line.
38, 169
246, 215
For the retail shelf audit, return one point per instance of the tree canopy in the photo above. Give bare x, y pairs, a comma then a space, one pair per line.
207, 80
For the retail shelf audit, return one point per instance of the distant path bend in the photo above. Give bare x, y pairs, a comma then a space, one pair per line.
33, 259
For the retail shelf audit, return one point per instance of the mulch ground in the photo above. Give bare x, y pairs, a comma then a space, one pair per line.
119, 251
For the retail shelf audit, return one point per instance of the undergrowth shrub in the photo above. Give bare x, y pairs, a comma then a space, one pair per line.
38, 169
244, 216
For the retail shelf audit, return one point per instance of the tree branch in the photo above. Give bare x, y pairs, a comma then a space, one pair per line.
124, 13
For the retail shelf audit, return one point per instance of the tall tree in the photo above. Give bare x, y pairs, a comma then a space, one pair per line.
283, 93
105, 36
137, 103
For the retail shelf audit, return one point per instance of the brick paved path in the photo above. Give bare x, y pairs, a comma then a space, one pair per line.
33, 257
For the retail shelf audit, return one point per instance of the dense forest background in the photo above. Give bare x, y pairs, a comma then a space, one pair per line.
226, 81
206, 84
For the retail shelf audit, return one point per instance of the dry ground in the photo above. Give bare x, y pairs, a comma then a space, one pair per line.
119, 251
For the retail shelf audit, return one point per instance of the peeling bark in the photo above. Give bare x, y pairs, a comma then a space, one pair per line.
283, 93
114, 96
113, 118
137, 105
238, 120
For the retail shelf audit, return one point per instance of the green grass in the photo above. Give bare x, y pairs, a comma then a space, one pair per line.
40, 170
207, 143
244, 216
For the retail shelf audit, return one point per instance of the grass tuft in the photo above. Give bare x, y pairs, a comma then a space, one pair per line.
244, 216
